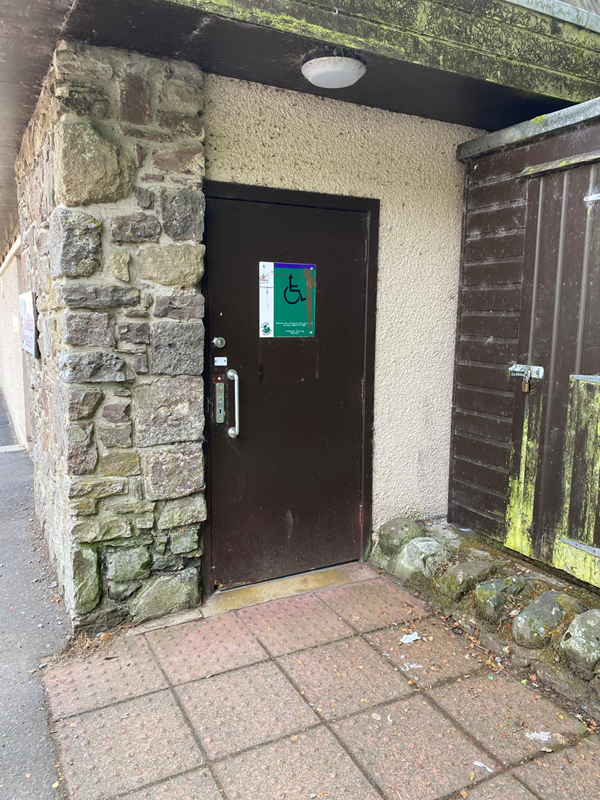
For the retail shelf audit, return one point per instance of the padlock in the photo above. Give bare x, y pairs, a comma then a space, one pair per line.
525, 386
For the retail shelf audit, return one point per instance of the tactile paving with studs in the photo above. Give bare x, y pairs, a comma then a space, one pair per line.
373, 604
294, 624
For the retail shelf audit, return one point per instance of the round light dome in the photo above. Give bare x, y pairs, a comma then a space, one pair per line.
333, 72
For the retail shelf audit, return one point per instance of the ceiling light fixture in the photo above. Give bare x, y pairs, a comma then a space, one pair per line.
333, 72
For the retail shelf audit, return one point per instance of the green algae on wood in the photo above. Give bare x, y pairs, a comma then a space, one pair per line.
521, 494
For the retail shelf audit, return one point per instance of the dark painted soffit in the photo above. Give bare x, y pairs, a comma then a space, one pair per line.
256, 49
267, 55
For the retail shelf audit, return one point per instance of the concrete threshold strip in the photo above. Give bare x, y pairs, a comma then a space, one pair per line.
11, 448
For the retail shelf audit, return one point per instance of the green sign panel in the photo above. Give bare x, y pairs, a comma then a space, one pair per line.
287, 297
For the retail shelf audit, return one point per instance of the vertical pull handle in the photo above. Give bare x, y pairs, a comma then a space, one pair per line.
233, 376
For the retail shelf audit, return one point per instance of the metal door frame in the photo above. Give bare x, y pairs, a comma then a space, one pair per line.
289, 197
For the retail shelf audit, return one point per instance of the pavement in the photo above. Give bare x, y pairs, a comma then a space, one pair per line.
348, 692
32, 629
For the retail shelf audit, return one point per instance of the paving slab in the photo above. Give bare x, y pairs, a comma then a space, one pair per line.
198, 649
294, 623
197, 785
438, 655
412, 751
344, 677
125, 746
309, 765
512, 720
503, 788
570, 774
373, 604
124, 670
245, 708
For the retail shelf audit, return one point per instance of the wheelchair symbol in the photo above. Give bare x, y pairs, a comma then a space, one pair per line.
293, 290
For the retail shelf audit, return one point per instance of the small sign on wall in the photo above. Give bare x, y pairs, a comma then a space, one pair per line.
27, 322
287, 298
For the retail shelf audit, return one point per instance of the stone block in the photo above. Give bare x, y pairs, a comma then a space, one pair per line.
92, 367
134, 96
542, 617
127, 563
92, 330
184, 540
172, 265
173, 472
97, 488
144, 198
75, 243
85, 101
101, 529
83, 402
183, 160
492, 596
182, 512
116, 412
581, 644
177, 348
121, 591
73, 62
115, 435
459, 578
86, 580
134, 333
166, 561
181, 124
140, 362
183, 213
166, 594
82, 454
393, 535
88, 168
120, 462
181, 96
119, 264
180, 305
144, 522
168, 410
420, 557
83, 506
99, 296
135, 228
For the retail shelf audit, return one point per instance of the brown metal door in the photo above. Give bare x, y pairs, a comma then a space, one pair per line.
553, 500
287, 493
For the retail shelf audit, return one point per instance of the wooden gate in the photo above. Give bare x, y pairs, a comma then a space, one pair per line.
526, 464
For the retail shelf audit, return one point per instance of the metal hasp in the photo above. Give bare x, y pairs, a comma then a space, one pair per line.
526, 372
234, 432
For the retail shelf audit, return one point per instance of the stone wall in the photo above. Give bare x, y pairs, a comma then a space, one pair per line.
111, 213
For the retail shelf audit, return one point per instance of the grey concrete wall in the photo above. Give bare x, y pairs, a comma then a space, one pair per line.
12, 367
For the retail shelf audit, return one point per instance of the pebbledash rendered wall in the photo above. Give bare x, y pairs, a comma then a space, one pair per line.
111, 214
273, 137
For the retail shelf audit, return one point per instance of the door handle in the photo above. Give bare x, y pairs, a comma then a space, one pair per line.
233, 376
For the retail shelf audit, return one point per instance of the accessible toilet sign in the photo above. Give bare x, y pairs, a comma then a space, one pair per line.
287, 297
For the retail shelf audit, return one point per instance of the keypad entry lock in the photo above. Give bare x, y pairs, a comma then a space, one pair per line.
219, 383
526, 372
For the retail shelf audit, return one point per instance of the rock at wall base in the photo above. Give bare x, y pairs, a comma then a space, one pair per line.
166, 594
